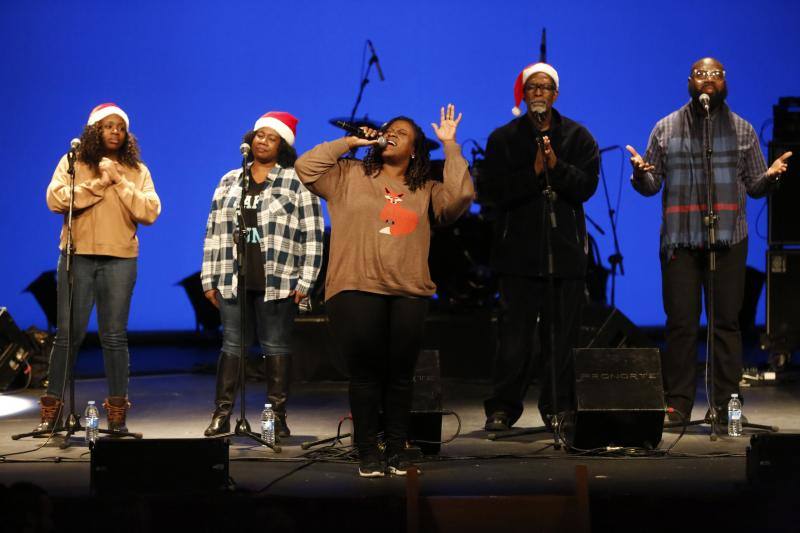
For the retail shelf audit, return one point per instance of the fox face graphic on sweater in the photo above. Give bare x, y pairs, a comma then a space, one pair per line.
399, 220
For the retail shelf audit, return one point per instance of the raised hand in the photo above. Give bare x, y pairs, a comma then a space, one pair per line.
448, 123
779, 166
640, 166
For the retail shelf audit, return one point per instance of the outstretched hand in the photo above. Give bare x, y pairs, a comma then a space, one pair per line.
640, 166
448, 123
779, 166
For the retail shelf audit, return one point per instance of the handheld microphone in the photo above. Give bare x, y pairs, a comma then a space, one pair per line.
705, 101
374, 59
244, 148
74, 144
358, 132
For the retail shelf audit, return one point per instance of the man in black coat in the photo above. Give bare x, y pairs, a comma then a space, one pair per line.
515, 184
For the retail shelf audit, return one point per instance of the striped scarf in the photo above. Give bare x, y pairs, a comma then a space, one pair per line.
685, 199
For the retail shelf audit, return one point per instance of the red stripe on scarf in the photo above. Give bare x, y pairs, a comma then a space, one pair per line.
689, 208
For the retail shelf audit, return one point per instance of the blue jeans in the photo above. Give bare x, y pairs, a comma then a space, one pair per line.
271, 321
109, 282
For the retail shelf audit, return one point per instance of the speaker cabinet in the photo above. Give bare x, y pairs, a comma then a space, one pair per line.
620, 398
608, 327
783, 217
783, 299
425, 425
15, 349
773, 458
158, 466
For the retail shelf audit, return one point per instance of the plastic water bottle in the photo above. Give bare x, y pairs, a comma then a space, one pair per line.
91, 421
268, 424
734, 416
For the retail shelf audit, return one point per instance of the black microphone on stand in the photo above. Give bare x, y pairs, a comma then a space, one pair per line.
374, 59
358, 132
244, 148
72, 155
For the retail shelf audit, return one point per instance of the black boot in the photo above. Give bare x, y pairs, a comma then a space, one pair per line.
227, 380
278, 378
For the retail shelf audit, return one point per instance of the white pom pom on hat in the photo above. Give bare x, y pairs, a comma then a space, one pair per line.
104, 110
285, 124
526, 73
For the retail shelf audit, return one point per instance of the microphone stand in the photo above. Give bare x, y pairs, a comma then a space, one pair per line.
72, 425
616, 258
242, 428
710, 220
361, 86
549, 213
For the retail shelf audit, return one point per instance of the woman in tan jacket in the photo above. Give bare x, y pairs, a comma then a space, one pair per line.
378, 282
113, 193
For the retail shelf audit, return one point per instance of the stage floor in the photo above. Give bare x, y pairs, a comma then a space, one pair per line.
179, 406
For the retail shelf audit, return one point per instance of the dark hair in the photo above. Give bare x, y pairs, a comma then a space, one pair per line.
92, 148
287, 155
419, 169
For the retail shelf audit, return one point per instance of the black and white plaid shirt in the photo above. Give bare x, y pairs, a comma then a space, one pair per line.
290, 223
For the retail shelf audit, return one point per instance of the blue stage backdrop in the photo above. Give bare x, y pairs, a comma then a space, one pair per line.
194, 76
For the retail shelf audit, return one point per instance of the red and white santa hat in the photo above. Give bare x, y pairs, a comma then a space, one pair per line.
285, 124
526, 73
104, 110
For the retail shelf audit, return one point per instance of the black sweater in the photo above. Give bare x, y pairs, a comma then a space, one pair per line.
516, 191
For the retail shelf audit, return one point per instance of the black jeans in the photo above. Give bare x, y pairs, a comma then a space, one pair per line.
380, 337
523, 300
683, 275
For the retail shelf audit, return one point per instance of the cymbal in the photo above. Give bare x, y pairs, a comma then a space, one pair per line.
357, 122
430, 144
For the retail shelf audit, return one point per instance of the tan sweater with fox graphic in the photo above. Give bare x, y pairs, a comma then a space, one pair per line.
105, 217
381, 231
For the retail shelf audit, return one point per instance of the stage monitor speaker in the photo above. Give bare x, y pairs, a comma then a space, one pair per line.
772, 458
608, 327
15, 350
425, 426
783, 299
152, 466
783, 217
620, 399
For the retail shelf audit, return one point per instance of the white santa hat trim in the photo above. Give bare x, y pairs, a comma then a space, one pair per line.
105, 110
270, 121
523, 76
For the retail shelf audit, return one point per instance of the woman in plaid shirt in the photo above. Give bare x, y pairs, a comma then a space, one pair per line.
284, 227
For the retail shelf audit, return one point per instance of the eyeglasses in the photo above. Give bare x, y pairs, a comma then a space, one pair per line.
533, 87
708, 74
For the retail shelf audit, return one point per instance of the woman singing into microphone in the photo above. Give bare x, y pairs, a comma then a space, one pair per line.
378, 283
114, 193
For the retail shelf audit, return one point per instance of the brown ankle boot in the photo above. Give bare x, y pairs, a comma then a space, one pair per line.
117, 408
50, 410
